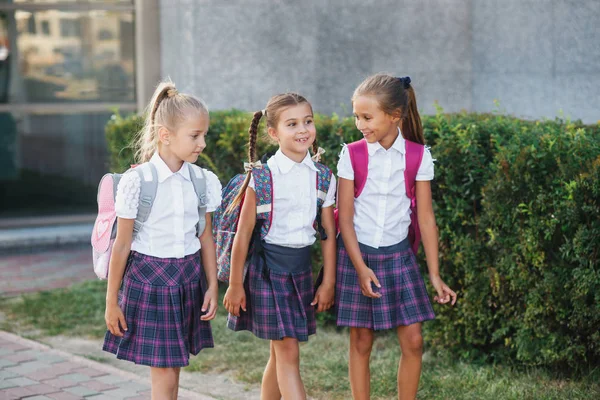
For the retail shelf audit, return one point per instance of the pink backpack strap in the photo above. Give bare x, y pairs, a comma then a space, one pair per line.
414, 156
359, 157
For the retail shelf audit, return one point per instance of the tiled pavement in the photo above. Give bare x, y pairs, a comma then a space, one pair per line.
30, 271
33, 371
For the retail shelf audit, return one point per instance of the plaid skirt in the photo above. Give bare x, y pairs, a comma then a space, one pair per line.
279, 290
404, 299
161, 300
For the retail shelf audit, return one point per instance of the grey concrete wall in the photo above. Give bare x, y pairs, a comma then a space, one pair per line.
536, 57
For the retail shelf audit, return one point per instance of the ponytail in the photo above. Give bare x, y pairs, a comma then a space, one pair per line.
147, 139
410, 125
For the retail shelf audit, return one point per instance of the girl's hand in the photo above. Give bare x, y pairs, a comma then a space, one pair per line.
324, 297
444, 293
115, 320
366, 276
211, 302
235, 297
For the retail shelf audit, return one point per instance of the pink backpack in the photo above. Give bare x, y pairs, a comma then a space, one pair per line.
105, 227
359, 157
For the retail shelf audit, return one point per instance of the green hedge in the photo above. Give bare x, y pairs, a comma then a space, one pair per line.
518, 209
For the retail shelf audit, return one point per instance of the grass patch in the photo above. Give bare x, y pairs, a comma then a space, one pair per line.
79, 311
74, 311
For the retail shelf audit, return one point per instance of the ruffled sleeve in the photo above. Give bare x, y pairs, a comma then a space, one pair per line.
213, 190
128, 195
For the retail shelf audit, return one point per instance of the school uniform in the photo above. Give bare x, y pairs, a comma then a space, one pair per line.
278, 284
381, 222
164, 284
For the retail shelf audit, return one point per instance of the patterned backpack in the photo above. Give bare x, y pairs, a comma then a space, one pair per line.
105, 227
225, 224
359, 157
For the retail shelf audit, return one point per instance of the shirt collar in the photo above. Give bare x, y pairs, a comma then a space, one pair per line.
398, 145
164, 172
285, 164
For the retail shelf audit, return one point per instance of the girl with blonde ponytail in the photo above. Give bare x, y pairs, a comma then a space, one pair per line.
157, 305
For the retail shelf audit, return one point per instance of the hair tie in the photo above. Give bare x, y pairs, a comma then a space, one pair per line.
172, 92
251, 165
318, 154
405, 82
264, 112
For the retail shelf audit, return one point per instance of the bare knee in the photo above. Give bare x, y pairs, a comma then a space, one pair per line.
164, 379
412, 343
285, 351
361, 341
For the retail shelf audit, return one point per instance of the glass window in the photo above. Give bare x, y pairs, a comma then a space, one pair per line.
46, 28
70, 56
51, 163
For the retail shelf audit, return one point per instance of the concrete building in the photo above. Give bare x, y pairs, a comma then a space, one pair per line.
64, 64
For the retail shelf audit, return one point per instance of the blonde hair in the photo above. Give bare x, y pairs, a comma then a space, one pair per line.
395, 95
168, 108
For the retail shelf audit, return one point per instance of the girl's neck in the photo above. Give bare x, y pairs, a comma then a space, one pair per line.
173, 162
296, 157
388, 140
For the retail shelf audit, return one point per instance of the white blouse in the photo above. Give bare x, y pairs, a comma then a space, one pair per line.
382, 211
170, 231
295, 201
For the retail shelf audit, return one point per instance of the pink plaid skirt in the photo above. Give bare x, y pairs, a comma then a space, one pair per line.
162, 301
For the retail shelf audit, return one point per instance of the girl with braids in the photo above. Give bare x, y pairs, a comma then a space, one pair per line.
277, 301
158, 306
379, 284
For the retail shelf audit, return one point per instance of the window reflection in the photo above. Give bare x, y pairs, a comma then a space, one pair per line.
67, 56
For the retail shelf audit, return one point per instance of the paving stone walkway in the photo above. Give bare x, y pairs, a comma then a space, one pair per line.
33, 371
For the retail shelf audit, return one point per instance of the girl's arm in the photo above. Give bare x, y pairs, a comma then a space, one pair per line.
209, 261
346, 222
326, 292
115, 320
429, 236
235, 297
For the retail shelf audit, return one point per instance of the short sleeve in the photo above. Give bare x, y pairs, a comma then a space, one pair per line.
344, 166
213, 190
128, 195
425, 172
330, 199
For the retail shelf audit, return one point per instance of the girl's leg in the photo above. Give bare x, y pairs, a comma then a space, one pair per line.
361, 343
177, 387
409, 370
269, 390
288, 369
165, 383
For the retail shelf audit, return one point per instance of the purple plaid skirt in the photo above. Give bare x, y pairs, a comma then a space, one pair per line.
404, 299
162, 300
279, 290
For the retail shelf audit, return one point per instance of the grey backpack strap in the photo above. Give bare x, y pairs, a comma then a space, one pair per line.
199, 181
148, 187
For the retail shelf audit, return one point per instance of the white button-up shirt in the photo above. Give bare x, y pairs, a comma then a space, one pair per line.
382, 211
295, 201
170, 231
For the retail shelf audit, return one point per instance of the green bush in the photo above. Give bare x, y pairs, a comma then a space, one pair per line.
517, 206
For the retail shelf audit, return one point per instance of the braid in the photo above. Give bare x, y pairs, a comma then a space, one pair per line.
253, 133
315, 147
